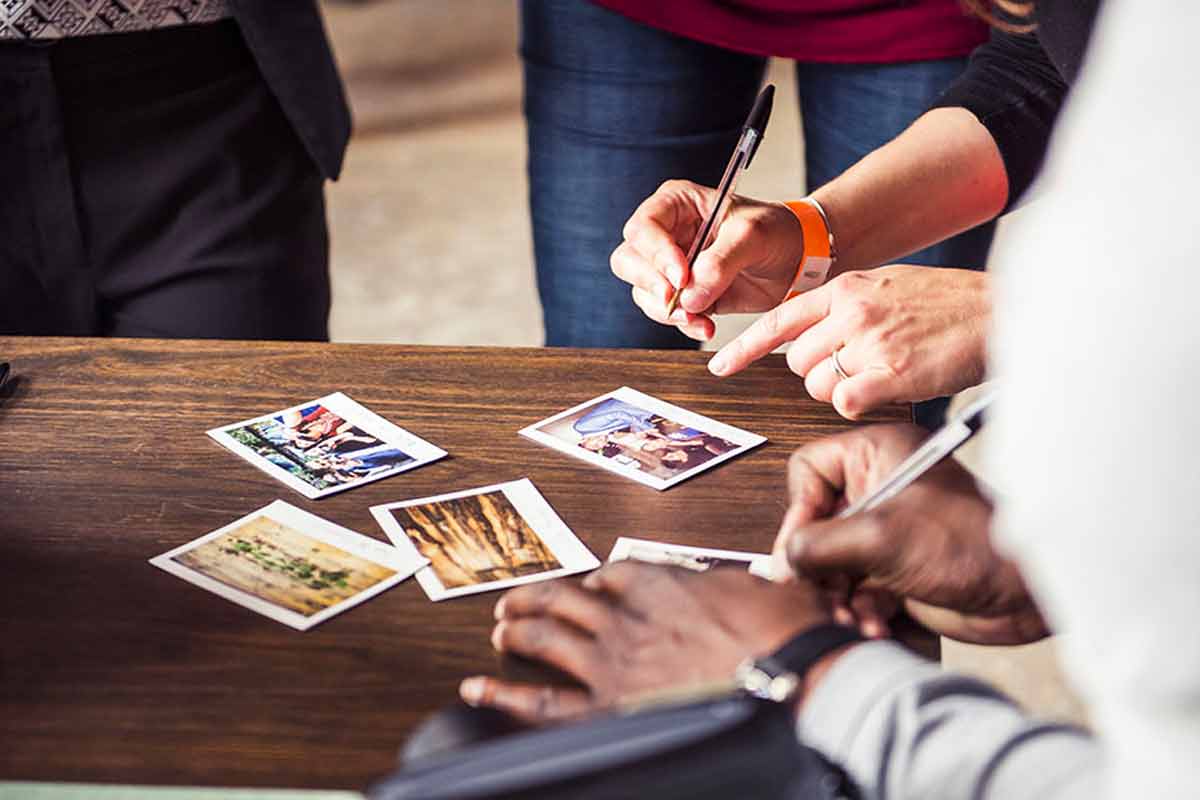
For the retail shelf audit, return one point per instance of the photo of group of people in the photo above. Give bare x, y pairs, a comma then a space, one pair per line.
484, 539
327, 445
649, 440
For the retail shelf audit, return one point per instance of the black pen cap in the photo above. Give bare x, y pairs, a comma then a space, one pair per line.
760, 115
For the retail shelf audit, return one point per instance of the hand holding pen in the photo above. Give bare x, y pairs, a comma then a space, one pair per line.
686, 236
752, 135
917, 533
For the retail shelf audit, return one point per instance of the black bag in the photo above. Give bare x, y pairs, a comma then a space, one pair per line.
733, 746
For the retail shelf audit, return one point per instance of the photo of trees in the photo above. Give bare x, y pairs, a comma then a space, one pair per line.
476, 539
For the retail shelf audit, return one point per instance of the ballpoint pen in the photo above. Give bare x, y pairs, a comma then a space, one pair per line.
941, 444
752, 136
4, 369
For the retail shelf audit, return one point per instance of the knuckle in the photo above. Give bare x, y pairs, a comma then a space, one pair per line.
529, 636
755, 225
771, 323
858, 313
545, 703
544, 595
876, 525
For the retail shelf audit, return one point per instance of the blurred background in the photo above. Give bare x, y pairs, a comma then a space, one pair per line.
430, 229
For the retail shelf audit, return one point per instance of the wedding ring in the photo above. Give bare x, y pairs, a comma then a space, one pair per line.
837, 365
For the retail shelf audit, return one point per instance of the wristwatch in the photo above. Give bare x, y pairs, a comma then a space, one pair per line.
820, 253
779, 676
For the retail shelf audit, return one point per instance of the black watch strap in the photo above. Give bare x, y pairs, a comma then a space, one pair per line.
805, 649
779, 675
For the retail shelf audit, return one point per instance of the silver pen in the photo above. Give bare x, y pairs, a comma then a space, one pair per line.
941, 444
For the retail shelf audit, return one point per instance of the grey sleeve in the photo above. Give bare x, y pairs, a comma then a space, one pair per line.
904, 728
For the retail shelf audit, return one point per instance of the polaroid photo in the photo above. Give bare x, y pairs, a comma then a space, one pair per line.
290, 565
643, 438
326, 446
484, 539
699, 559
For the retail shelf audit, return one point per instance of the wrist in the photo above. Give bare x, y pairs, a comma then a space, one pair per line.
782, 676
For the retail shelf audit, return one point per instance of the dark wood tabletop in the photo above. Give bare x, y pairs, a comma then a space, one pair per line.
114, 671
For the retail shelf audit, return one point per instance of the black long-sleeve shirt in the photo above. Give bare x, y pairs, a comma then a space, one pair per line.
1017, 83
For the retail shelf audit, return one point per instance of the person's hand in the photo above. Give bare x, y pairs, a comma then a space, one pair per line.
929, 545
903, 334
749, 266
634, 629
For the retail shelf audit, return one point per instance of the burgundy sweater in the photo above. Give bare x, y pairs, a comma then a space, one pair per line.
831, 31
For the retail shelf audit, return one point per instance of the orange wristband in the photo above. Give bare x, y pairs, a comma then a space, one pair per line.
819, 252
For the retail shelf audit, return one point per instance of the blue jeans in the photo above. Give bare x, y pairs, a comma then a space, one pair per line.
614, 108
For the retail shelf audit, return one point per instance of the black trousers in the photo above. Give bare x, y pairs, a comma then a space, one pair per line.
150, 185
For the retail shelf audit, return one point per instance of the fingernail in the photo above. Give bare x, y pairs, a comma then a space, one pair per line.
498, 611
471, 691
496, 636
718, 364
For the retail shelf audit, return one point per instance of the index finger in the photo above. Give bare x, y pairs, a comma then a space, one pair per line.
780, 325
584, 609
626, 580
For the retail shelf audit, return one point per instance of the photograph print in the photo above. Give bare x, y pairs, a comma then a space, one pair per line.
326, 446
484, 539
641, 437
697, 559
290, 565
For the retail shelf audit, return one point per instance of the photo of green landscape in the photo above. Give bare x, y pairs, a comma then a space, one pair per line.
282, 566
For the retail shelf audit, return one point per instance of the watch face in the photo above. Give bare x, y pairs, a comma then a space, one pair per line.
767, 679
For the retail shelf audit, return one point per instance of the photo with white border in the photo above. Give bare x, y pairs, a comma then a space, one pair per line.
290, 565
698, 559
641, 437
325, 446
481, 540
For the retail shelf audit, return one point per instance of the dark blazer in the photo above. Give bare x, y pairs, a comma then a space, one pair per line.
287, 38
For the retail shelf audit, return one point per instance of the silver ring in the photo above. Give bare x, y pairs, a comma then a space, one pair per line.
837, 365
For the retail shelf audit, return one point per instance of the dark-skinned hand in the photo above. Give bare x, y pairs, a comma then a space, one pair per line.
930, 546
634, 629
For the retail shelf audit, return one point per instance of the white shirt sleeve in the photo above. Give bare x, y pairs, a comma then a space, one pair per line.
1097, 435
906, 730
1096, 447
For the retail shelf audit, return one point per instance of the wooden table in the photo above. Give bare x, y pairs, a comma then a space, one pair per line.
114, 671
